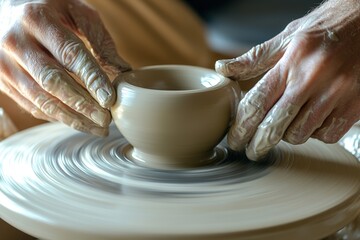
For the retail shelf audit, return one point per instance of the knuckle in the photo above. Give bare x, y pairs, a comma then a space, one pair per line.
47, 105
5, 88
246, 125
71, 53
293, 26
50, 78
78, 125
29, 13
8, 41
93, 77
255, 52
252, 106
79, 104
34, 13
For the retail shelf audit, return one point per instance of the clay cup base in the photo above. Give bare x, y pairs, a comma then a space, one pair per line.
174, 162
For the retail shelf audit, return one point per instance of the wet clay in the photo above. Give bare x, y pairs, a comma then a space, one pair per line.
164, 175
174, 115
70, 185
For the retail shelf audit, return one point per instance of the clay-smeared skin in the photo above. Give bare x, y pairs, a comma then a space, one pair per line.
311, 87
56, 61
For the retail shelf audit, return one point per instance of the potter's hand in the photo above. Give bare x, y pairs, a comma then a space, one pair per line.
56, 59
7, 127
311, 86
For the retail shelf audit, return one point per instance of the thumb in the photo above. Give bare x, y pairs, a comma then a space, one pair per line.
97, 38
257, 60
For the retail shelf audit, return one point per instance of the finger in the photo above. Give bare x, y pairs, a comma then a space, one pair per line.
55, 80
285, 100
301, 83
347, 111
13, 93
330, 89
90, 25
23, 102
47, 104
253, 108
257, 60
70, 52
315, 111
338, 122
271, 130
310, 117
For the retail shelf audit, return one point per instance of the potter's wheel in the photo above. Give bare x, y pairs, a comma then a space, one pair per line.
56, 183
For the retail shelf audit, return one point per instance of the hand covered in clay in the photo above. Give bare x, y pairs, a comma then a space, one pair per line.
56, 61
7, 127
311, 82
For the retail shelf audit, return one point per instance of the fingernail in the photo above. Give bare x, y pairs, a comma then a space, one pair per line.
258, 148
295, 136
78, 125
104, 97
101, 132
252, 155
101, 118
221, 67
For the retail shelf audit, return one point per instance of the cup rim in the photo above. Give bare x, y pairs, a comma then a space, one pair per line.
223, 81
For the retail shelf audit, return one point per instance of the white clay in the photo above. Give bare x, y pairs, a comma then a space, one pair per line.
174, 115
69, 185
270, 131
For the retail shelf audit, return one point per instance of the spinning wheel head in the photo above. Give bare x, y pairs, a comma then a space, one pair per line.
70, 185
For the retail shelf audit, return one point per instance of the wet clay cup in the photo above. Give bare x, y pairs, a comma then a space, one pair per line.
173, 115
